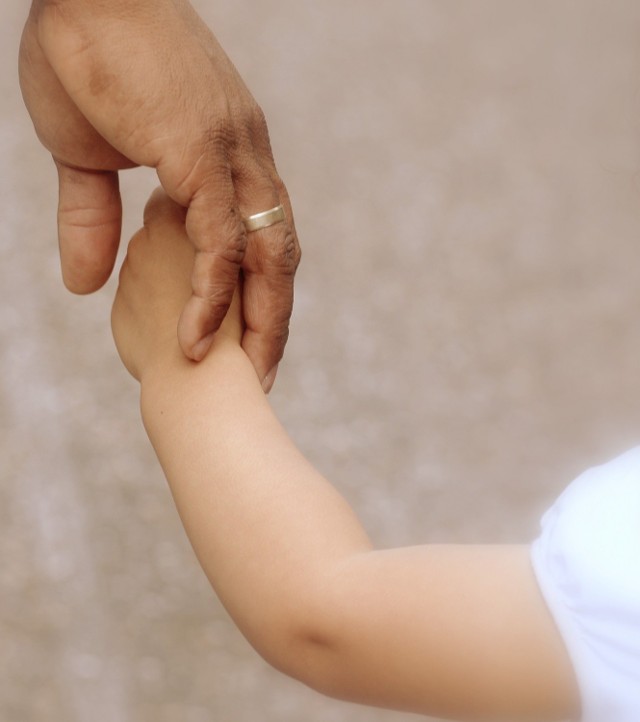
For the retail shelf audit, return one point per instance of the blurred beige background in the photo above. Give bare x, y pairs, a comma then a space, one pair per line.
465, 341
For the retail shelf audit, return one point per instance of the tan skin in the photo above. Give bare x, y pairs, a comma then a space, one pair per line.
112, 84
446, 630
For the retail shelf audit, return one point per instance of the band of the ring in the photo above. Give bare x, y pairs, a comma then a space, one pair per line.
265, 219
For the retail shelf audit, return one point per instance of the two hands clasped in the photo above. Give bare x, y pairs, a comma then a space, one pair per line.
153, 289
111, 85
456, 631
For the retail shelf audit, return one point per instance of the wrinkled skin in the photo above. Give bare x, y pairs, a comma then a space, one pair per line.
113, 84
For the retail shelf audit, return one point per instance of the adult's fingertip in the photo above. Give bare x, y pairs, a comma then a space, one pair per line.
86, 262
195, 348
270, 379
201, 348
81, 283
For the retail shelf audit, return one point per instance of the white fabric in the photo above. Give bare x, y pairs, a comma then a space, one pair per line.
587, 562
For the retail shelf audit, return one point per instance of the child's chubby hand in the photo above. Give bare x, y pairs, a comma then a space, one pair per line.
155, 283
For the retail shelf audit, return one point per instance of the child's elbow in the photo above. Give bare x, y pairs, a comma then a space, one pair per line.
312, 631
307, 656
310, 649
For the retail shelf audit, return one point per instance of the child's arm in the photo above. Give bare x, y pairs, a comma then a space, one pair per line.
442, 630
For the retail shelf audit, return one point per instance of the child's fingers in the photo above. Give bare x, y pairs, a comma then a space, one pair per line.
160, 209
167, 242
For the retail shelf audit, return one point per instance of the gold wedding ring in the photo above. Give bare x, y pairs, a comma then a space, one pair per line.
265, 219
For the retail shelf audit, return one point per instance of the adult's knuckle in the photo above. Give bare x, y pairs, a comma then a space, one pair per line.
281, 188
278, 257
289, 254
216, 288
233, 238
217, 295
252, 176
258, 120
295, 251
220, 135
235, 245
216, 270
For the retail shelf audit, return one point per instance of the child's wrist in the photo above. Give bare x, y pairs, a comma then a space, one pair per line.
175, 391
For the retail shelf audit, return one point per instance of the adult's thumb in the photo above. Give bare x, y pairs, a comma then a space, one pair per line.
89, 226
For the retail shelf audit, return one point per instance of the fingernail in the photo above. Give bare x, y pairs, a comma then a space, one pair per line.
199, 351
269, 379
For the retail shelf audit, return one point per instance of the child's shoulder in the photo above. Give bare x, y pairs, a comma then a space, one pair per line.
587, 561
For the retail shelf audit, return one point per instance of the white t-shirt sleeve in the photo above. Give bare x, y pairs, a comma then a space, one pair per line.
587, 562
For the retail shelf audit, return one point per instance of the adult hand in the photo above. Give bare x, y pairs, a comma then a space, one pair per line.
112, 84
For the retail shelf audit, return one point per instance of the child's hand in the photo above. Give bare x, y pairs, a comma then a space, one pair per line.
155, 283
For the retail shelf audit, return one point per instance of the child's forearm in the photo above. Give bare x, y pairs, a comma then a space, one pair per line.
434, 630
266, 527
